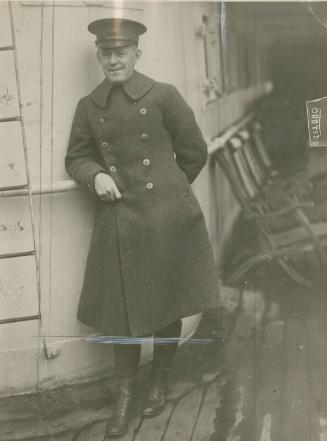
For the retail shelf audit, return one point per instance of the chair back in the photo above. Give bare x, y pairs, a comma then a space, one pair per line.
258, 171
225, 159
242, 168
258, 146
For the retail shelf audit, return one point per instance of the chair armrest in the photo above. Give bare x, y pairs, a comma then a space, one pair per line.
282, 212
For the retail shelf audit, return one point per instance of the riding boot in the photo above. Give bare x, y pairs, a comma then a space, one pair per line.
157, 394
118, 422
163, 356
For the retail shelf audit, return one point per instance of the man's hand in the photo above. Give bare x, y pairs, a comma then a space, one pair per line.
106, 188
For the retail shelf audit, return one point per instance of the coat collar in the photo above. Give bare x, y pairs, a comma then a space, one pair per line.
136, 87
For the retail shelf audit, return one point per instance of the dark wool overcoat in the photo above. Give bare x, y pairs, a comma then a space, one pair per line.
150, 260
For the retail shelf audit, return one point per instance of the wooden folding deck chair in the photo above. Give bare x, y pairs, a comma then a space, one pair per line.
281, 224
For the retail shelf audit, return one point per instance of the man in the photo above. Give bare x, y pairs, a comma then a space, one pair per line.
135, 144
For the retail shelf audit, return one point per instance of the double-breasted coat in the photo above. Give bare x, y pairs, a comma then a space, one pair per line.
150, 260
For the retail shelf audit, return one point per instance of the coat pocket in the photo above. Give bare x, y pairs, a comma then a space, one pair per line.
192, 202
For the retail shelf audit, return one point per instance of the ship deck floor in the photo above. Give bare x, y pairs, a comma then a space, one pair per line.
271, 376
264, 379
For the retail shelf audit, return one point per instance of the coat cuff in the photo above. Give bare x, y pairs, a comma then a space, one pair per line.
90, 173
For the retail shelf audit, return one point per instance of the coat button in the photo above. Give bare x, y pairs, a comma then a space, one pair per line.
146, 162
101, 120
143, 111
105, 144
144, 136
149, 185
113, 169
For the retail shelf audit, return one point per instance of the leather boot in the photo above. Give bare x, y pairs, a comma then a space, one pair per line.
118, 422
157, 395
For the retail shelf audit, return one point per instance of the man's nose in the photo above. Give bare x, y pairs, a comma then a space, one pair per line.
113, 58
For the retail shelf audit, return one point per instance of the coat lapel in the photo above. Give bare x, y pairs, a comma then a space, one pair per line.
136, 87
100, 94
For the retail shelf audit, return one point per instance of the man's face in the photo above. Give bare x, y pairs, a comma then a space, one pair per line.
118, 63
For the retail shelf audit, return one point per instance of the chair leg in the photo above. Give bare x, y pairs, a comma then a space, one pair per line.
293, 273
320, 250
253, 261
246, 266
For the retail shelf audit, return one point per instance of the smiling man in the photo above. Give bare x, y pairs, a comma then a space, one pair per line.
118, 63
135, 144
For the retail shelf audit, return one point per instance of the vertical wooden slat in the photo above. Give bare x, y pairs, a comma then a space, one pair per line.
27, 38
5, 33
16, 234
153, 429
205, 424
317, 362
269, 396
12, 160
296, 416
18, 288
241, 396
318, 378
9, 106
184, 417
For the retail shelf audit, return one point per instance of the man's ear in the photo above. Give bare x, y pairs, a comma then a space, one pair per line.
138, 54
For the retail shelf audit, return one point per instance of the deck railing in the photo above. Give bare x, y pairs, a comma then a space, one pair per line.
48, 188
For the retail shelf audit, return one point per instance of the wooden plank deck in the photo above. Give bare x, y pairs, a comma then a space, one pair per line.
296, 417
279, 390
268, 400
204, 426
269, 382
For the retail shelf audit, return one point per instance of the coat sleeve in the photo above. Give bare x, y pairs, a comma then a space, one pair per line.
189, 146
81, 160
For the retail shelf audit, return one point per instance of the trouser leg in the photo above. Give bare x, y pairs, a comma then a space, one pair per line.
163, 357
163, 354
127, 359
